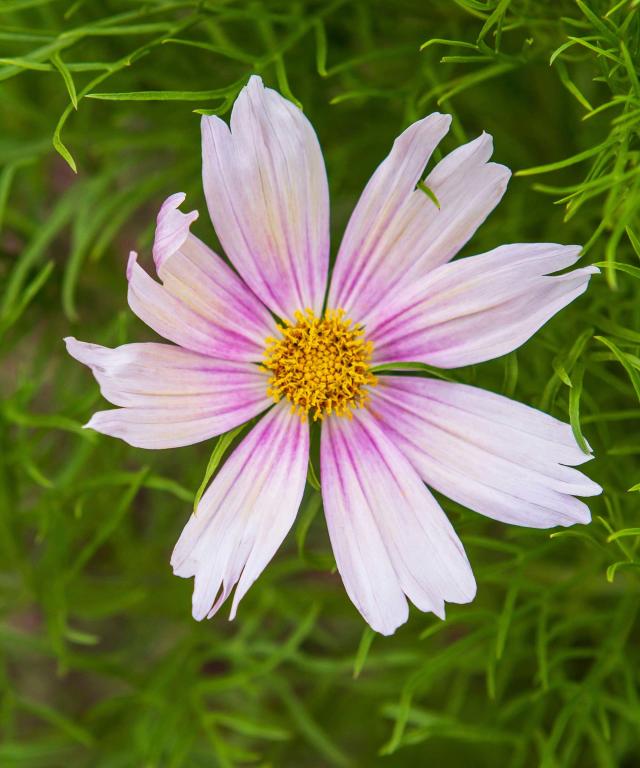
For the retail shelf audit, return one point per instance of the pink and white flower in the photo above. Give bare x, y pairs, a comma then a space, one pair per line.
395, 296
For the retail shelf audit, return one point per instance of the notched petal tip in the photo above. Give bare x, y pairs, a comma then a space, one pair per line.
584, 486
585, 519
387, 631
173, 201
172, 229
444, 119
90, 424
486, 139
208, 124
580, 515
425, 134
469, 591
477, 151
255, 81
571, 254
386, 621
83, 351
504, 175
131, 263
438, 610
583, 274
234, 605
481, 148
70, 343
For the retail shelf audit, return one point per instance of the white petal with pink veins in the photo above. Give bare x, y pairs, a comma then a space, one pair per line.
477, 308
388, 199
201, 304
266, 188
389, 536
397, 233
496, 456
170, 396
246, 512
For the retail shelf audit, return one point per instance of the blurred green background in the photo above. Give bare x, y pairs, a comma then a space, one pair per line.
101, 664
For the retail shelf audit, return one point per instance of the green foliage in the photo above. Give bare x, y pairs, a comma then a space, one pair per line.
101, 664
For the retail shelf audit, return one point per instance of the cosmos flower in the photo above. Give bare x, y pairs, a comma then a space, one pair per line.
262, 341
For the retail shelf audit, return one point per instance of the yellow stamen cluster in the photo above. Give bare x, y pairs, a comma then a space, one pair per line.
321, 365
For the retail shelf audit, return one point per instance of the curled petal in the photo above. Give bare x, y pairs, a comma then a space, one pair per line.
389, 536
246, 512
172, 229
498, 457
170, 396
201, 304
267, 192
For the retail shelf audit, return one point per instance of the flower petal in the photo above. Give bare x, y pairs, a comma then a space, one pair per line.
397, 233
496, 456
389, 536
246, 512
477, 308
170, 396
266, 188
173, 228
202, 304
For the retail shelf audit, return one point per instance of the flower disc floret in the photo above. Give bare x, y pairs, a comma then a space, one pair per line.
321, 365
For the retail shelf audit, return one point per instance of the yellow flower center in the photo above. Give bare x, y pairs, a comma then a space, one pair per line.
320, 365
